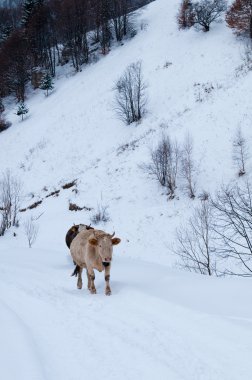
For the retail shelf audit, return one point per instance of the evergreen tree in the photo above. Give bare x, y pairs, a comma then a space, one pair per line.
5, 31
22, 110
28, 8
46, 83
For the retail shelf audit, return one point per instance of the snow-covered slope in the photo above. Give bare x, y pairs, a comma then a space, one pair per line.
158, 322
74, 133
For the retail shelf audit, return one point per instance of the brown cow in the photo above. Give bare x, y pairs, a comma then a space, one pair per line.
74, 230
92, 249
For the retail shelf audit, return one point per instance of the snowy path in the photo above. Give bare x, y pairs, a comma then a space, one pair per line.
156, 323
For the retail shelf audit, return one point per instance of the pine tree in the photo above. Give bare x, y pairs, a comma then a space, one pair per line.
28, 8
46, 83
5, 31
22, 110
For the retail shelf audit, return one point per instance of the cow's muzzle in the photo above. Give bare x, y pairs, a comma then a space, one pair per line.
105, 264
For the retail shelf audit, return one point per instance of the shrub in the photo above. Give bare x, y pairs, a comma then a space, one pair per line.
31, 231
101, 215
185, 16
4, 124
239, 17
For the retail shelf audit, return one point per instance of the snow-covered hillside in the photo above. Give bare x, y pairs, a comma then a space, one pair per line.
159, 322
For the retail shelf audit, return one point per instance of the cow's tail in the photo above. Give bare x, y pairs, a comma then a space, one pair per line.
76, 271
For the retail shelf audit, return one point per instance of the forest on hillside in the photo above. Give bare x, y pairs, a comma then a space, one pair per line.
38, 35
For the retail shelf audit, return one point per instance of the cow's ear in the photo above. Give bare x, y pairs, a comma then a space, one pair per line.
93, 241
115, 241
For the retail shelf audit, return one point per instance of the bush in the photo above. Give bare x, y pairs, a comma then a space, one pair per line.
185, 16
31, 231
239, 17
4, 124
101, 215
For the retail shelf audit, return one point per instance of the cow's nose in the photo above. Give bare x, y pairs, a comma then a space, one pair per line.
107, 259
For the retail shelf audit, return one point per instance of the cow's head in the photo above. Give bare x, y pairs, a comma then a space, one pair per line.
104, 245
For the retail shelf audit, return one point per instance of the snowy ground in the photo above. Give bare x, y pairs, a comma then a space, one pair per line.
158, 322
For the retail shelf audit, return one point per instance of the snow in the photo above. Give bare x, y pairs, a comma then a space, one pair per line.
159, 322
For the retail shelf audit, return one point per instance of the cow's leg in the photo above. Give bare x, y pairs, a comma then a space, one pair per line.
92, 278
107, 278
79, 281
89, 280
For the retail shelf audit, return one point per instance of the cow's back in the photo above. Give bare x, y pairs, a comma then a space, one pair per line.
71, 234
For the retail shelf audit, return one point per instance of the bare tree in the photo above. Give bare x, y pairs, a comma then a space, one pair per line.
207, 11
121, 18
131, 94
195, 242
159, 160
188, 166
31, 231
10, 195
240, 152
173, 164
233, 225
164, 164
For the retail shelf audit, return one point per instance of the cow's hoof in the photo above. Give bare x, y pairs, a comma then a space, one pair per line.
93, 291
108, 292
79, 287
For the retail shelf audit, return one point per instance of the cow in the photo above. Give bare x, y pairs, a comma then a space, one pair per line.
92, 249
74, 230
